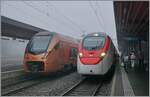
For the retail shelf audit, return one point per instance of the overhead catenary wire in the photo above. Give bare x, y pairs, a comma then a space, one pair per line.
47, 14
100, 11
68, 18
96, 14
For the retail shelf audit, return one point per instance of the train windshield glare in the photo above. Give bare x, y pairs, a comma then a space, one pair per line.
39, 44
93, 42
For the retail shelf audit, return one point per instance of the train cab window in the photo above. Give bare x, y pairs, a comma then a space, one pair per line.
39, 44
93, 42
74, 52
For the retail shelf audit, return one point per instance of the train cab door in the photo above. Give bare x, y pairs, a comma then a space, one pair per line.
73, 55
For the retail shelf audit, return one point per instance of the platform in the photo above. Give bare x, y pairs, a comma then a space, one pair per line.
131, 83
139, 80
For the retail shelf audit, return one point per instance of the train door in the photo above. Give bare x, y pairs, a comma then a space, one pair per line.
73, 55
65, 52
61, 53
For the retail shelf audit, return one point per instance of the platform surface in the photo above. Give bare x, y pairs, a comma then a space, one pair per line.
134, 82
139, 80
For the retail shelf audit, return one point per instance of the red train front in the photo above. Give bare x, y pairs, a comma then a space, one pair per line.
96, 54
50, 52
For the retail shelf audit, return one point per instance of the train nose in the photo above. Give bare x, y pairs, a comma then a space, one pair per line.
88, 60
35, 66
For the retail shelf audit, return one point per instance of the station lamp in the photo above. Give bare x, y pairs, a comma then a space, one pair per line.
96, 34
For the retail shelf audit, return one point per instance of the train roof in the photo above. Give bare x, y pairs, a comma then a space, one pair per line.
97, 34
68, 38
46, 33
64, 37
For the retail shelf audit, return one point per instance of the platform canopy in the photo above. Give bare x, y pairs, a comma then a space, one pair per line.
132, 20
16, 29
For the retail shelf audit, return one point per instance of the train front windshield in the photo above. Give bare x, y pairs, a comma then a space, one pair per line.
93, 42
39, 44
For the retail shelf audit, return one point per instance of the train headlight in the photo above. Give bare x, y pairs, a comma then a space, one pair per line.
103, 54
81, 54
45, 55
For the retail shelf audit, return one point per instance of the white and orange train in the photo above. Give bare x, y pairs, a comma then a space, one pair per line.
50, 52
96, 54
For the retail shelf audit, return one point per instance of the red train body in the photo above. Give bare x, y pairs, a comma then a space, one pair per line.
50, 52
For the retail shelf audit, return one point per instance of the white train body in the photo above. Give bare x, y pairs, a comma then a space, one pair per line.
95, 61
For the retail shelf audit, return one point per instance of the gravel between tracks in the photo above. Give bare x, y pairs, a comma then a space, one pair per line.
57, 86
47, 88
105, 90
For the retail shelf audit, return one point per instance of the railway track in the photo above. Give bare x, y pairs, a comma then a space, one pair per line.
85, 87
21, 86
18, 81
29, 82
15, 77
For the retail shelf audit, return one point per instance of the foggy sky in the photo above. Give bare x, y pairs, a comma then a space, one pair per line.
72, 18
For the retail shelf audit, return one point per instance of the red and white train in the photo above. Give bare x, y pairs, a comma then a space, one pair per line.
96, 54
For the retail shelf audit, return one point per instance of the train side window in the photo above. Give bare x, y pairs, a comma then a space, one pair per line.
57, 45
109, 37
73, 52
